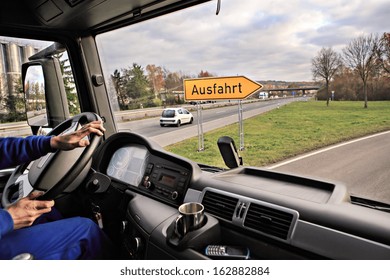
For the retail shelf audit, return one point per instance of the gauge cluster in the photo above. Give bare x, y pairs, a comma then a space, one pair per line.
128, 164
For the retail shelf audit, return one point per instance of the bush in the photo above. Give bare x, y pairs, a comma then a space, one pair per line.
12, 117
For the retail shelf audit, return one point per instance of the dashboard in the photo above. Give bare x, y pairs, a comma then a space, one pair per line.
273, 215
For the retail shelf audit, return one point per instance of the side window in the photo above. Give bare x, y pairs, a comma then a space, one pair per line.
13, 53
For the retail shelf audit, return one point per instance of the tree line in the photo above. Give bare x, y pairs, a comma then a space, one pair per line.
12, 105
136, 87
360, 72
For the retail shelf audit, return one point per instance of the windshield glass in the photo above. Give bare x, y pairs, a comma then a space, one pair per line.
329, 124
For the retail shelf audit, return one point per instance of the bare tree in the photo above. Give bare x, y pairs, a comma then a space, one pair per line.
325, 65
362, 56
156, 78
384, 52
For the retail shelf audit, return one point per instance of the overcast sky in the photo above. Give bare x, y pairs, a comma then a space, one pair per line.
260, 39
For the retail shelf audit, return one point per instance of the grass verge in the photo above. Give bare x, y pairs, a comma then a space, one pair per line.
291, 130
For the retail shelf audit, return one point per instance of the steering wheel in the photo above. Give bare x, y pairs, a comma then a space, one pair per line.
55, 173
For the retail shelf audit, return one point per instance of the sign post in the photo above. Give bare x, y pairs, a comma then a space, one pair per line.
240, 125
220, 88
200, 127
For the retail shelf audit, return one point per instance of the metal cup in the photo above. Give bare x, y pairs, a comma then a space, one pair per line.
191, 217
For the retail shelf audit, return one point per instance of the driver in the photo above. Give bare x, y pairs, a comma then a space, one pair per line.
21, 232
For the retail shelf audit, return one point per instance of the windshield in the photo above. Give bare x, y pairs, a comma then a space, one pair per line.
329, 124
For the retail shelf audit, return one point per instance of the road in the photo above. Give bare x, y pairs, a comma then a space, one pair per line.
132, 120
362, 165
212, 119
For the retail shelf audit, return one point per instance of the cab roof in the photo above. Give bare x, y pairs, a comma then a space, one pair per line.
80, 16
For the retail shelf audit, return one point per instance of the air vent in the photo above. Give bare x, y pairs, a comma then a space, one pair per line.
219, 205
269, 220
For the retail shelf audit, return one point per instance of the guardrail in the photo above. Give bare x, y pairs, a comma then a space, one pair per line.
131, 115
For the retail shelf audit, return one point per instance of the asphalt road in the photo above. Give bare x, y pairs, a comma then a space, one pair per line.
132, 120
212, 119
362, 165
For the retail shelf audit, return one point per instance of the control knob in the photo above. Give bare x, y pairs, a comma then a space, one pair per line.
136, 244
146, 183
174, 195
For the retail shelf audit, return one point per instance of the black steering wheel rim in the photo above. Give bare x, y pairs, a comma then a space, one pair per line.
40, 175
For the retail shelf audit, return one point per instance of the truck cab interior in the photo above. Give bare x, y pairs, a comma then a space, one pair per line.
136, 186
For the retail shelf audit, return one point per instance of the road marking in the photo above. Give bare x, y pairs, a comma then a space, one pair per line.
326, 149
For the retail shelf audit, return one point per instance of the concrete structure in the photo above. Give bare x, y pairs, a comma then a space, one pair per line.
12, 56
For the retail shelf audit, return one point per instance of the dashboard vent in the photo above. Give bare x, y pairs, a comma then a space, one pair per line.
269, 220
219, 205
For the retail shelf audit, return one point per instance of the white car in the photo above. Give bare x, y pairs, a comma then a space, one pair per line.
175, 116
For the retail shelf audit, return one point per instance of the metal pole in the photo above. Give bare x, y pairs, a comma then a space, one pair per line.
241, 125
200, 127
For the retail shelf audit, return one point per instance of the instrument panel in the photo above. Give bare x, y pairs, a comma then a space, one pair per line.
146, 168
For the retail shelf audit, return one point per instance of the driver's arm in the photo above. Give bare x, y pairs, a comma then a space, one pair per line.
6, 223
18, 150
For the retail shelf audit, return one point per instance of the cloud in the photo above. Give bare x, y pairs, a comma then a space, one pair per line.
262, 40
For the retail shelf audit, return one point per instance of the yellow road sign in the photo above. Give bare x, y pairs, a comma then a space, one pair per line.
217, 88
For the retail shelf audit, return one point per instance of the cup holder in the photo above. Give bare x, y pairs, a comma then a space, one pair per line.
206, 232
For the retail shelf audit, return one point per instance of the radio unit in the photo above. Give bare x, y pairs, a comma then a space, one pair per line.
169, 183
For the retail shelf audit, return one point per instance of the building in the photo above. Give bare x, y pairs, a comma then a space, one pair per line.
12, 56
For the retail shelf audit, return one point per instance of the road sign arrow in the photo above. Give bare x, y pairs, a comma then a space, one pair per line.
219, 88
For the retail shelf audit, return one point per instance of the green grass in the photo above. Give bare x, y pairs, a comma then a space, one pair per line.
291, 130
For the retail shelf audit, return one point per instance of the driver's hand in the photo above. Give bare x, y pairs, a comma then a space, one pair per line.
25, 211
77, 138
